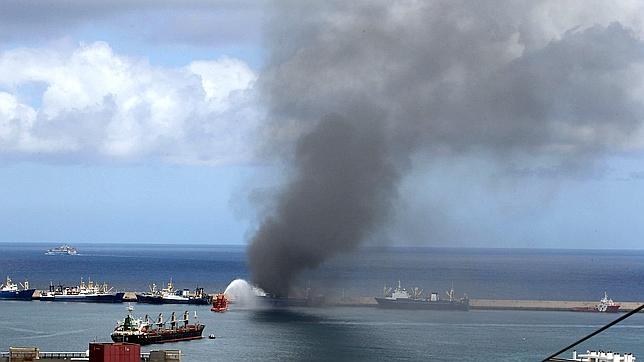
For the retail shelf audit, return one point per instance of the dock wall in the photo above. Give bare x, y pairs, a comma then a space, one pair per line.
495, 304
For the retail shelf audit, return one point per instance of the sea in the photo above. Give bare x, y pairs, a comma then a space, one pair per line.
337, 333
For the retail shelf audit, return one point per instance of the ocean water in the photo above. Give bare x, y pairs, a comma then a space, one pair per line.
340, 333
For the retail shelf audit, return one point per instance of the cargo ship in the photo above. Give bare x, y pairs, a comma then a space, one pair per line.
144, 331
10, 291
62, 250
605, 305
89, 292
169, 295
400, 298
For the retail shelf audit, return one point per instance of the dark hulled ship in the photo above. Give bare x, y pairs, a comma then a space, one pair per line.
169, 295
10, 291
144, 331
400, 298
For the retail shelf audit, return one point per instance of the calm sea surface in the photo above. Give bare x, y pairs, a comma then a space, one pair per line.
339, 333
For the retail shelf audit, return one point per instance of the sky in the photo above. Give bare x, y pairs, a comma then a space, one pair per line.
141, 121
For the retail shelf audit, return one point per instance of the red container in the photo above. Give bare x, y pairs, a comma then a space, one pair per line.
114, 352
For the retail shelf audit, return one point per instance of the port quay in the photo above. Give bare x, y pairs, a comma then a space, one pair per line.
97, 352
482, 304
496, 304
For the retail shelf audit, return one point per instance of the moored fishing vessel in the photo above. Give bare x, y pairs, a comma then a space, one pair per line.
10, 291
89, 292
62, 250
144, 331
400, 298
605, 305
169, 295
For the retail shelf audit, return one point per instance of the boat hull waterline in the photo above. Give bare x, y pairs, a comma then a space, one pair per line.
180, 334
27, 294
422, 304
99, 298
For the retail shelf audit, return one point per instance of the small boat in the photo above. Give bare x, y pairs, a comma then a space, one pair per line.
169, 295
144, 331
212, 336
605, 305
219, 303
62, 250
10, 291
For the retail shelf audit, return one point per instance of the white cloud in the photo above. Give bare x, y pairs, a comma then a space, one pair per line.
98, 104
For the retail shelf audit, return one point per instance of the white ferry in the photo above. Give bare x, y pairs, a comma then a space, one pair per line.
62, 250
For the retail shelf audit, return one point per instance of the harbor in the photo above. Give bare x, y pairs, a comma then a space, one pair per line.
348, 319
475, 303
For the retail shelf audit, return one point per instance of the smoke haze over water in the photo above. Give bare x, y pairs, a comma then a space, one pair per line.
355, 89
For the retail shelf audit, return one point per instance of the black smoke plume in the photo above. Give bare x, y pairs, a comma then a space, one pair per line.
354, 89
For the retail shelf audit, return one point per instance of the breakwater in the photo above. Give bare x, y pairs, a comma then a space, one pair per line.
475, 304
496, 304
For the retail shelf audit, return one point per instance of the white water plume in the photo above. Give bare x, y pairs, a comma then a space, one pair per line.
242, 294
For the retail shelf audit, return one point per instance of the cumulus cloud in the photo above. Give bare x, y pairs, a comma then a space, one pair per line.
88, 102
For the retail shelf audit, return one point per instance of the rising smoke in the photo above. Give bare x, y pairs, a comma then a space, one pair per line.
363, 86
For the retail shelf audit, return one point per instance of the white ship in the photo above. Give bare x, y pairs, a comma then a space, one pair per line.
62, 250
600, 356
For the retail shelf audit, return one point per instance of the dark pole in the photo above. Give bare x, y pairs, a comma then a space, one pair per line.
634, 311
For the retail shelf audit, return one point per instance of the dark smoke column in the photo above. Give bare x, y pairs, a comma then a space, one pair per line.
343, 179
440, 79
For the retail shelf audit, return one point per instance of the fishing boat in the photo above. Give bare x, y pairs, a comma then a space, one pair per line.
169, 295
144, 331
89, 292
10, 291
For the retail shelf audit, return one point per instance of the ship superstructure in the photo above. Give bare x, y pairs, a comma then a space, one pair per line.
401, 298
84, 292
169, 295
605, 305
11, 291
144, 331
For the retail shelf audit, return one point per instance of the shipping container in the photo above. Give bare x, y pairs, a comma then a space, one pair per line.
165, 356
114, 352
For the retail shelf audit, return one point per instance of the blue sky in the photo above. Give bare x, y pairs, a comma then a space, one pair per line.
131, 122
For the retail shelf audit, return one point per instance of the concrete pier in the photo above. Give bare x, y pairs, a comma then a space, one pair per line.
495, 304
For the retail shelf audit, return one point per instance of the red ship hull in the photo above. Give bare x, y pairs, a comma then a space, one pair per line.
219, 303
609, 309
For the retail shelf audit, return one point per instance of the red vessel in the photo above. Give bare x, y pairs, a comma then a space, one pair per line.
606, 305
219, 303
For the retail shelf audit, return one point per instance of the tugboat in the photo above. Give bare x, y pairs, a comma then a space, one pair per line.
144, 331
169, 295
400, 298
85, 292
62, 250
605, 305
219, 303
10, 291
